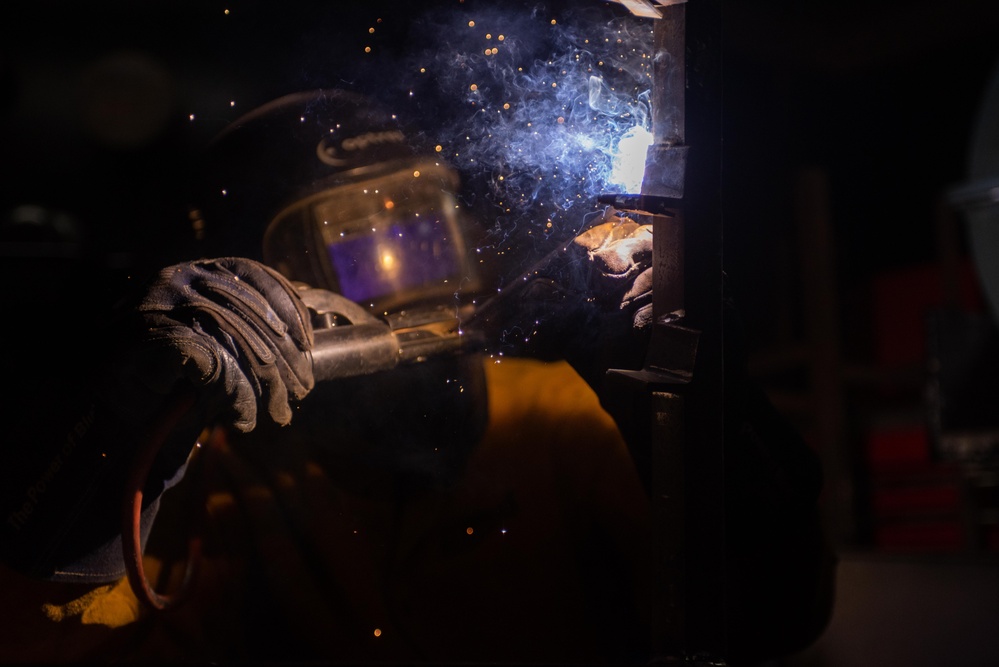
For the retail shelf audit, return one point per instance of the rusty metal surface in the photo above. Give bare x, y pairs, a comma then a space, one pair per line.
676, 399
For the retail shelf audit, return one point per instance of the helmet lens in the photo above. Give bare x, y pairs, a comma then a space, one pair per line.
386, 243
400, 256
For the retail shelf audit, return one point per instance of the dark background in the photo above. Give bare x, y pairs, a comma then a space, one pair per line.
845, 124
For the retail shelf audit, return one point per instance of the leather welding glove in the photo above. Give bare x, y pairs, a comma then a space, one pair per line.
588, 302
234, 328
210, 341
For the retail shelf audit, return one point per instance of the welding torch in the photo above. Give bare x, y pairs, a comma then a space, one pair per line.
349, 341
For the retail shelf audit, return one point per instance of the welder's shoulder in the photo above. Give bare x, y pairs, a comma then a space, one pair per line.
550, 402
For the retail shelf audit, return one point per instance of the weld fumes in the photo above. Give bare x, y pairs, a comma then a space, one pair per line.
542, 112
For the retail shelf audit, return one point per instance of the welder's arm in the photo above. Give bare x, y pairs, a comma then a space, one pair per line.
228, 335
589, 302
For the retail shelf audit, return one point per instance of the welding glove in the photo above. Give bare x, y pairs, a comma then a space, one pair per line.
228, 336
234, 328
589, 302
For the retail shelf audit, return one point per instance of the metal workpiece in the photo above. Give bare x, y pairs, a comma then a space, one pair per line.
669, 549
672, 409
639, 204
665, 168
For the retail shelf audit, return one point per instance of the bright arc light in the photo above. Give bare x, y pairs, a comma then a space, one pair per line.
388, 262
628, 167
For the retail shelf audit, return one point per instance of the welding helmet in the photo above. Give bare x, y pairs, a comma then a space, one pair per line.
328, 189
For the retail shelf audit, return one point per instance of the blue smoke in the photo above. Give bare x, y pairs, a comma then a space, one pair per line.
540, 111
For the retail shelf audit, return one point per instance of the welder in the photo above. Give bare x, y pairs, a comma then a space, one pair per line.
451, 491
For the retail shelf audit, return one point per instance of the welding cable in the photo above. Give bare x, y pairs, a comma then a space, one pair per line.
162, 425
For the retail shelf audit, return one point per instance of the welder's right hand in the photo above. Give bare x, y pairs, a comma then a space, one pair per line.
589, 302
234, 328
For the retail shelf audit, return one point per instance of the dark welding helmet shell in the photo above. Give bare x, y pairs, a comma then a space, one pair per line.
270, 157
326, 187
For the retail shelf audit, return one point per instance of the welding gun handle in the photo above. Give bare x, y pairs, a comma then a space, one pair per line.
353, 349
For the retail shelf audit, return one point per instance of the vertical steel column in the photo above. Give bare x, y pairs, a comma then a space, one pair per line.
676, 401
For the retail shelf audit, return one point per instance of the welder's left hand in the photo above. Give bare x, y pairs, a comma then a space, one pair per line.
589, 302
234, 328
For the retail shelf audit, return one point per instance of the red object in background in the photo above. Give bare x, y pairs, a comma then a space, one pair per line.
888, 448
920, 536
930, 497
915, 502
902, 301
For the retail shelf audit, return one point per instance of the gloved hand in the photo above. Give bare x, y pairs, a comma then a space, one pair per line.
619, 254
589, 302
234, 328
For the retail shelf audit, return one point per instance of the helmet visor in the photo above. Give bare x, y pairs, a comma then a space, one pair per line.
384, 243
